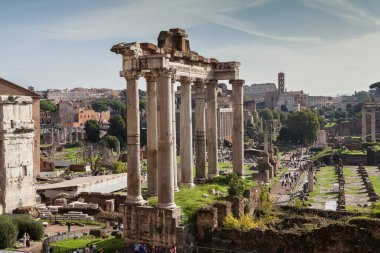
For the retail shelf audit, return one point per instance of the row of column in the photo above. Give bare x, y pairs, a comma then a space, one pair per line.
161, 135
364, 124
63, 135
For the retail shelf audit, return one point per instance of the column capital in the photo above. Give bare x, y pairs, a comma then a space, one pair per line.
212, 82
151, 76
199, 82
130, 75
185, 80
238, 82
165, 72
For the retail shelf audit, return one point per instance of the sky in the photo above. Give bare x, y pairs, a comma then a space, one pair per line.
324, 47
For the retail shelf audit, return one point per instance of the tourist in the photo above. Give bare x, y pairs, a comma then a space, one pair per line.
68, 226
137, 248
24, 240
173, 249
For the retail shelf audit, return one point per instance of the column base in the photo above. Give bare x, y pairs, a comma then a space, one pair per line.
167, 206
176, 188
190, 185
135, 200
200, 180
212, 175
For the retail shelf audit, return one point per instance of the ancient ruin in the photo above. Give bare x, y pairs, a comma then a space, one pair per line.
162, 65
372, 107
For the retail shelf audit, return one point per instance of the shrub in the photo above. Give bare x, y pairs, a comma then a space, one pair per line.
119, 167
244, 223
8, 232
236, 185
26, 225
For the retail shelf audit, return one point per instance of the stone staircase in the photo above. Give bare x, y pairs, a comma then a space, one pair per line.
51, 213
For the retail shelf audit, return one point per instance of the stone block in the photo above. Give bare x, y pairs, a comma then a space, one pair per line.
207, 220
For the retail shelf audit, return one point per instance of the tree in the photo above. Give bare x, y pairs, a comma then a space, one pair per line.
301, 127
276, 114
100, 106
119, 167
117, 129
249, 131
97, 156
92, 129
111, 141
47, 106
266, 114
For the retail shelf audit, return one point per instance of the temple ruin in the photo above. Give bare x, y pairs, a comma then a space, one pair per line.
170, 61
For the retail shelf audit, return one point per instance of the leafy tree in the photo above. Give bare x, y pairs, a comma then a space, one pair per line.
301, 127
111, 141
249, 131
97, 156
266, 114
100, 106
117, 129
92, 129
47, 106
142, 103
276, 114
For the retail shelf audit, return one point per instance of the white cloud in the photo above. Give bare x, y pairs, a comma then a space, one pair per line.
328, 69
142, 19
343, 9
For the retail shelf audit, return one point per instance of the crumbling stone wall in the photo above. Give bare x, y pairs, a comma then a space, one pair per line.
101, 199
17, 186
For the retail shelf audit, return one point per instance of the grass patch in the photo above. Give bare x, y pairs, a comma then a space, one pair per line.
70, 154
358, 152
320, 154
106, 244
330, 124
358, 209
190, 199
325, 178
375, 180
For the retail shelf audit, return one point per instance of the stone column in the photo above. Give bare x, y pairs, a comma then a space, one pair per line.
175, 178
212, 136
373, 125
186, 134
71, 135
52, 136
165, 141
133, 142
364, 124
82, 133
152, 133
76, 134
310, 177
237, 126
200, 132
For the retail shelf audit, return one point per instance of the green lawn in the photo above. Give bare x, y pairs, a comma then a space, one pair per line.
325, 179
70, 154
375, 180
330, 124
108, 245
190, 199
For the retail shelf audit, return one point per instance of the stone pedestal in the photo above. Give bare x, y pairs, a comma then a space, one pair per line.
133, 142
212, 135
237, 126
200, 132
152, 134
165, 178
186, 134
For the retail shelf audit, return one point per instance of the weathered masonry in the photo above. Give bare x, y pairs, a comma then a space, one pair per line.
16, 153
170, 61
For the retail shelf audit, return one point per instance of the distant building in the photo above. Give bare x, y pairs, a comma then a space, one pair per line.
287, 101
257, 91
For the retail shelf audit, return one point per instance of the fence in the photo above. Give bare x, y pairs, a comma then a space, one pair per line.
59, 237
184, 249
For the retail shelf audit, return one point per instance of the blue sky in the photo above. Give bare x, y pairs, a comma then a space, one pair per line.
325, 47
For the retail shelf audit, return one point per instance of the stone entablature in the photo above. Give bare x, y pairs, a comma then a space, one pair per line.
17, 187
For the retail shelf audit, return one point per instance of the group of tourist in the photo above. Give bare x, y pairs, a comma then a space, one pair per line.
143, 248
289, 179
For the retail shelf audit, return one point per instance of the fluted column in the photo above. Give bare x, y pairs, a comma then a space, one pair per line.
200, 132
373, 125
175, 178
186, 134
237, 126
212, 135
133, 142
364, 124
152, 133
165, 141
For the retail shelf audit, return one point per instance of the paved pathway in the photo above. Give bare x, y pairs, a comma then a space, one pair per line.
36, 247
354, 187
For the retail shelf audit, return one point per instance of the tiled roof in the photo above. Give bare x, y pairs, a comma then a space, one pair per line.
17, 87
